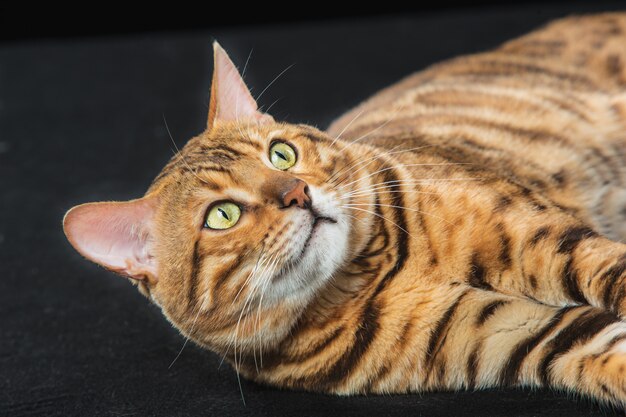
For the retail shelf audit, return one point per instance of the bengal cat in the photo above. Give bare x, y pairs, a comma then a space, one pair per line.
459, 230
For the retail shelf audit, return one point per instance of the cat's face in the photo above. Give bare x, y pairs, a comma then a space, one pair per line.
236, 229
240, 230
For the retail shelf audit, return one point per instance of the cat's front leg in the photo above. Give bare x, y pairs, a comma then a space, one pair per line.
548, 256
491, 340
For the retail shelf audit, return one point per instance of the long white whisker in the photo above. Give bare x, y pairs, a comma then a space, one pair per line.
358, 162
268, 280
180, 153
392, 151
245, 66
393, 116
382, 217
397, 166
346, 127
384, 190
351, 205
192, 328
274, 80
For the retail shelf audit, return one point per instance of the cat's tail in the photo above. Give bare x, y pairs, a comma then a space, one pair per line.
508, 341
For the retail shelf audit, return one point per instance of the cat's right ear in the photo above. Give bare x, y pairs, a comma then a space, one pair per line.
116, 235
231, 99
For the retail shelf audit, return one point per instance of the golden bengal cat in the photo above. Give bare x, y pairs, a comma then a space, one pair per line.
459, 230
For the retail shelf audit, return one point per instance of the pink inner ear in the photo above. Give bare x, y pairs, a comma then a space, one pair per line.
232, 99
116, 235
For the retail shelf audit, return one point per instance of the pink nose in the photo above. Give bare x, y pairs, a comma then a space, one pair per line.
298, 195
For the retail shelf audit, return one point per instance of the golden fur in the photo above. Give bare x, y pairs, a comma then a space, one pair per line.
486, 200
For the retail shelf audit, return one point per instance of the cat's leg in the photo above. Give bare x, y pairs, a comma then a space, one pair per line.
547, 256
572, 265
485, 339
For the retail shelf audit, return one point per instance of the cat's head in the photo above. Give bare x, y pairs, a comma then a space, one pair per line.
242, 228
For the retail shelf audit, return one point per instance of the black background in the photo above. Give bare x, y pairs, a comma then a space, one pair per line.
81, 119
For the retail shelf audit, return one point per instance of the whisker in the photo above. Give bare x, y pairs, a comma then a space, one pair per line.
387, 185
245, 66
274, 80
383, 190
180, 153
259, 260
193, 325
359, 162
398, 207
392, 151
346, 127
268, 280
397, 166
271, 105
393, 116
260, 286
382, 217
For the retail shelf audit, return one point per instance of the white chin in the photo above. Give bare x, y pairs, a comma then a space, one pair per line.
321, 257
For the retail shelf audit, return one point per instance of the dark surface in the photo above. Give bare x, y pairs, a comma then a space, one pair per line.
83, 121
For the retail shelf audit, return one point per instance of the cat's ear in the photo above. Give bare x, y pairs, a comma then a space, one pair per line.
116, 235
230, 98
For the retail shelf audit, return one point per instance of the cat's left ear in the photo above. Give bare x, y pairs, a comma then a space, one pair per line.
117, 235
230, 98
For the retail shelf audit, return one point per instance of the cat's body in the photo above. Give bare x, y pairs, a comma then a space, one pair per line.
451, 232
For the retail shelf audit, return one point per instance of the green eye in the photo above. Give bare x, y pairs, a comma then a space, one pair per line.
282, 156
223, 216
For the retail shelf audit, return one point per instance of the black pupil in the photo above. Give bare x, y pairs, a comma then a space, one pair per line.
223, 213
280, 155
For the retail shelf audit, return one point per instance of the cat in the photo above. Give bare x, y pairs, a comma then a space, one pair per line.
459, 230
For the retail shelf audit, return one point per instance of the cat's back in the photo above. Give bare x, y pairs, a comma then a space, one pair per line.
548, 109
565, 59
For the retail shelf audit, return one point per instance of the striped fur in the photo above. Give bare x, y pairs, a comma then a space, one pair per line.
486, 200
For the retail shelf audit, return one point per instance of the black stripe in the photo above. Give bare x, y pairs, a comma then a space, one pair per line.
439, 333
503, 203
571, 238
541, 233
223, 277
477, 274
276, 358
510, 372
234, 153
402, 238
363, 338
319, 347
505, 248
532, 280
196, 264
472, 367
560, 177
581, 330
196, 170
618, 298
610, 278
489, 310
570, 283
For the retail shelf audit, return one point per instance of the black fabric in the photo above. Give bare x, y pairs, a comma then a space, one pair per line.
82, 120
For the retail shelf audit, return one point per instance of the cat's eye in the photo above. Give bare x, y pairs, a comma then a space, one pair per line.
282, 156
222, 216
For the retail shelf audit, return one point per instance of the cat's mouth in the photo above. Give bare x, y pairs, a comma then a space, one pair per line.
317, 221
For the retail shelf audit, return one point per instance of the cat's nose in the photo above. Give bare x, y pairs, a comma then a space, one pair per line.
297, 194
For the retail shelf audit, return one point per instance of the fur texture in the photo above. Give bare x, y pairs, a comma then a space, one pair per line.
463, 228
